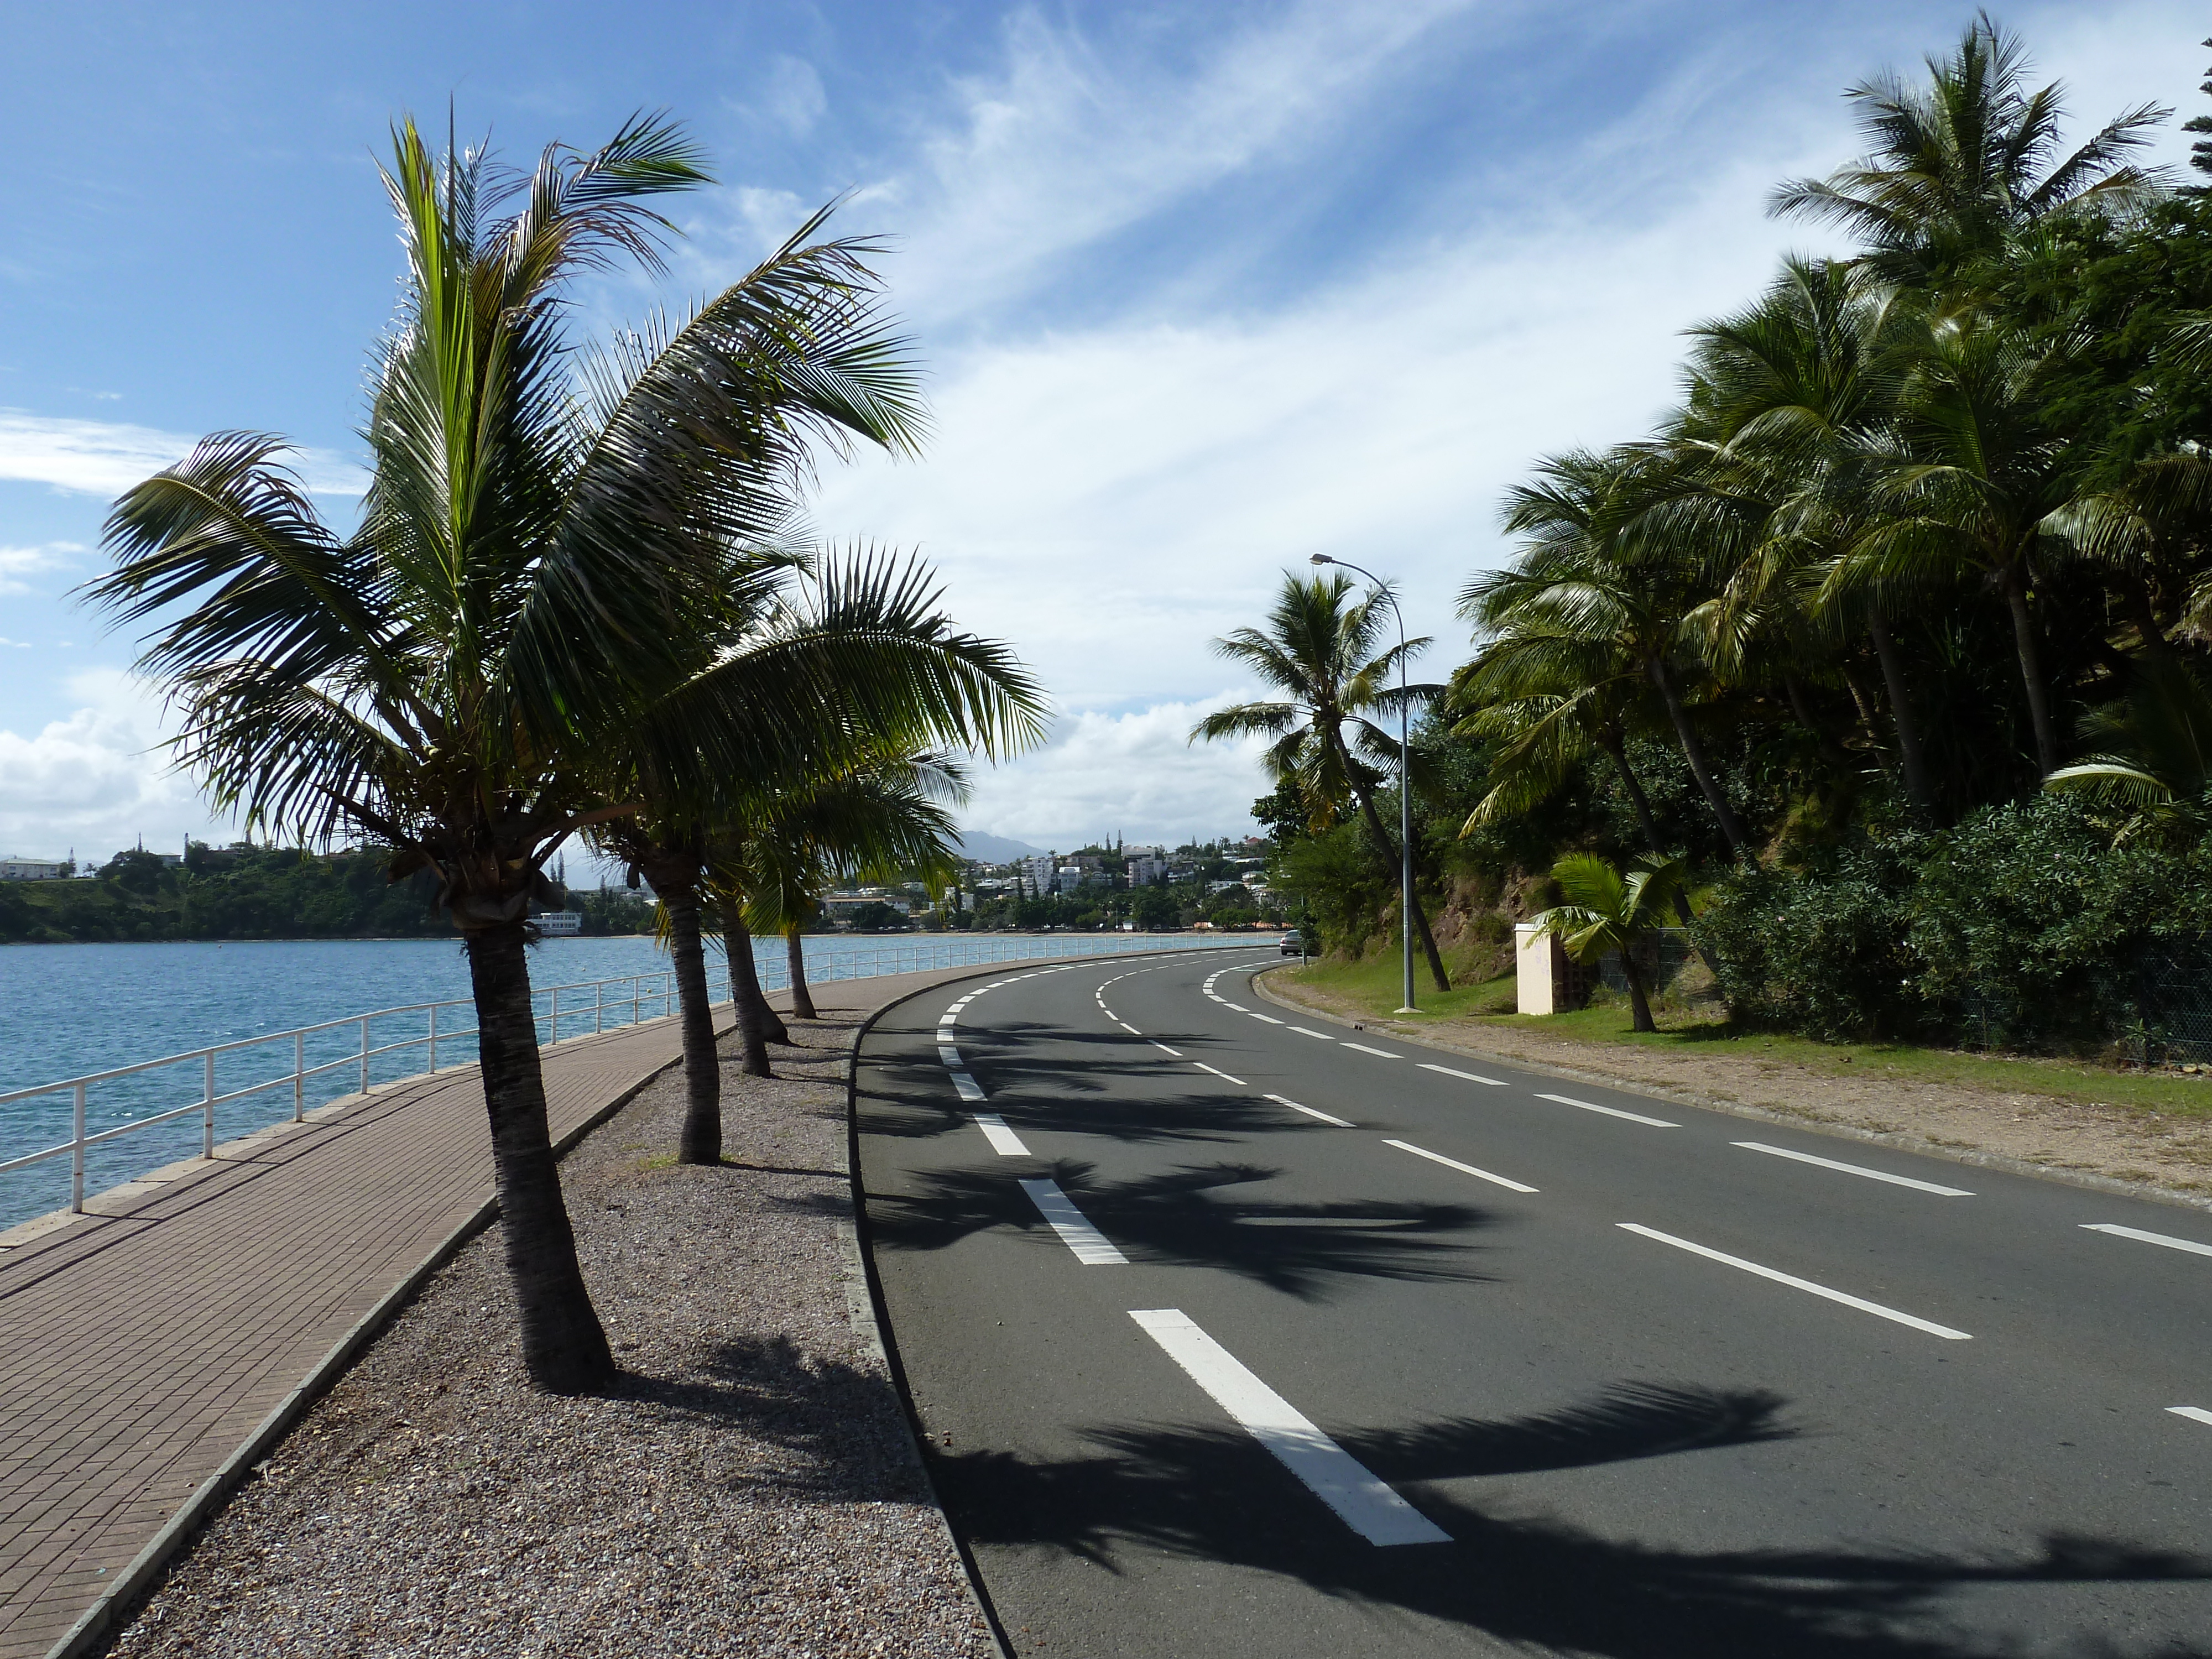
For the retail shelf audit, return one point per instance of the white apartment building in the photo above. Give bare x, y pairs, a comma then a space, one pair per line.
15, 868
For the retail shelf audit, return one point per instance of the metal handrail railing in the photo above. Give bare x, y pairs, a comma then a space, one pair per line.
600, 1007
941, 950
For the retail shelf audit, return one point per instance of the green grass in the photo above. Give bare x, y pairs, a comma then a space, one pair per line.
1371, 988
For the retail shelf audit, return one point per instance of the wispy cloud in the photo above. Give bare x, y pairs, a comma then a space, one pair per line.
17, 563
105, 457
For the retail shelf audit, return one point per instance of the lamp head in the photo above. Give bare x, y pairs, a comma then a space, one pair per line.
1322, 558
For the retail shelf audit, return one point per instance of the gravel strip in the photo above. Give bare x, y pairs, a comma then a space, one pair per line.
749, 1488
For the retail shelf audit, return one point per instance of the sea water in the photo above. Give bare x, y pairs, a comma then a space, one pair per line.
69, 1009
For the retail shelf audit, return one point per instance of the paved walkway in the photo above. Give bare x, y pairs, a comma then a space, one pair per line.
143, 1345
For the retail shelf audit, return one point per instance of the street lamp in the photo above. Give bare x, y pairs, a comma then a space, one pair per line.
1405, 784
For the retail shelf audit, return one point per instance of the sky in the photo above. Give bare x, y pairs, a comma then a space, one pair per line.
1201, 291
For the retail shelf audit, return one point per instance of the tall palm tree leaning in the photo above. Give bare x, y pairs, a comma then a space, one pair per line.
1319, 651
534, 558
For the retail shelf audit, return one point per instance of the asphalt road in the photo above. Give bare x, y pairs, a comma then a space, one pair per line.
1489, 1369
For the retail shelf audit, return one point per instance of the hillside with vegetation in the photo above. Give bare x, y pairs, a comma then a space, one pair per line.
258, 892
1896, 628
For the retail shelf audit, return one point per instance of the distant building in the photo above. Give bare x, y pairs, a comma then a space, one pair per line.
561, 924
22, 869
1149, 868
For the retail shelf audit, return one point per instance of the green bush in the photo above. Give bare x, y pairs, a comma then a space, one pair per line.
1825, 951
2024, 926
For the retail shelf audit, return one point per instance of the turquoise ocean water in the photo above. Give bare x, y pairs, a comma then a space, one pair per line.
69, 1009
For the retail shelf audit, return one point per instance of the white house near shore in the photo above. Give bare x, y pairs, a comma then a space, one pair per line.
23, 869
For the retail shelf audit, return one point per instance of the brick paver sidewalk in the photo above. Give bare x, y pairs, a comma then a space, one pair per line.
141, 1346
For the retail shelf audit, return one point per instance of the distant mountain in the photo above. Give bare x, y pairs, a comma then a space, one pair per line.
994, 849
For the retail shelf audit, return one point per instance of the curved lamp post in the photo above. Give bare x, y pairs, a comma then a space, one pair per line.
1405, 784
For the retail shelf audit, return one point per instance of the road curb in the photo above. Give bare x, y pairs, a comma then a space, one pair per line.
1972, 1156
878, 1330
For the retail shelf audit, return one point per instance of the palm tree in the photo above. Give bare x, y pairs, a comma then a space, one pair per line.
2157, 758
1606, 910
1799, 392
886, 817
1586, 593
1959, 166
1320, 653
1970, 487
860, 659
535, 557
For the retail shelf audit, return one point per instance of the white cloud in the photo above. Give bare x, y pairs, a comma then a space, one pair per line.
1134, 773
17, 563
96, 780
794, 99
105, 457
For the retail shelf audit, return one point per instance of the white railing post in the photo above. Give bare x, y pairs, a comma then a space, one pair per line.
364, 1054
433, 1039
553, 1016
599, 1008
207, 1119
300, 1075
76, 1154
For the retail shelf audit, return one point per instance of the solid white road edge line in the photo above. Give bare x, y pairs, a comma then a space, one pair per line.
1004, 1141
1310, 1111
2195, 1414
1467, 1077
1380, 1054
969, 1087
1611, 1111
1805, 1284
1091, 1246
1219, 1072
1331, 1473
1454, 1163
1854, 1169
2136, 1233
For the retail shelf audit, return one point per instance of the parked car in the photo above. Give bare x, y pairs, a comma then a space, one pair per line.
1293, 946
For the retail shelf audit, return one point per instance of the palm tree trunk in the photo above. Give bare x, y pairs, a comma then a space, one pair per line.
701, 1141
2031, 671
2144, 615
1639, 1003
1909, 755
1831, 751
563, 1347
745, 994
802, 999
1420, 918
1694, 752
1619, 750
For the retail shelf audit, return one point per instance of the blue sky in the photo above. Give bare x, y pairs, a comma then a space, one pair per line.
1201, 289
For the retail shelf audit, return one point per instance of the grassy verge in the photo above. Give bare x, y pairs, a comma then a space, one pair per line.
1370, 989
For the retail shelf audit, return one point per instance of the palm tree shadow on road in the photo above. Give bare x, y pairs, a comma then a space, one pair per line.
1213, 1495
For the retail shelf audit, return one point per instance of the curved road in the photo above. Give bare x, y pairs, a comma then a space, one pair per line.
1233, 1334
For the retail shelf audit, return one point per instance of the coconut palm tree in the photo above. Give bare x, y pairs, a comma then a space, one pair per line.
1586, 594
1606, 909
1799, 395
1970, 159
1319, 651
858, 659
887, 817
538, 551
2156, 763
